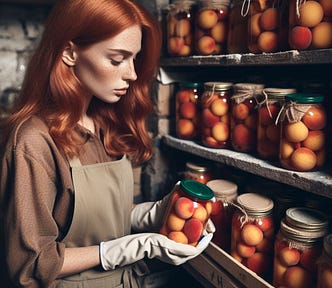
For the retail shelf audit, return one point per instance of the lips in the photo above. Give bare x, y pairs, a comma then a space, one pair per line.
120, 92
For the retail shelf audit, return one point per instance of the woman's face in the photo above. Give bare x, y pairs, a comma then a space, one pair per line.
106, 68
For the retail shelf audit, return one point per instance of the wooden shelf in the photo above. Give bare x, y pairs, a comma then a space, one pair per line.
319, 183
291, 57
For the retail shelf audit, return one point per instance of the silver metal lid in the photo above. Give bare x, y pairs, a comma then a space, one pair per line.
196, 167
218, 86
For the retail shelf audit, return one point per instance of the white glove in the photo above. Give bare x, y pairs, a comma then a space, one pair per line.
148, 216
129, 249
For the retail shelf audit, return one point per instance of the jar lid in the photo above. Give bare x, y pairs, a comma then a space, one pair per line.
328, 244
196, 189
196, 167
191, 84
306, 218
248, 86
255, 203
276, 93
218, 85
222, 188
305, 98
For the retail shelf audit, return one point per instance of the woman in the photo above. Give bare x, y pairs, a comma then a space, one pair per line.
70, 143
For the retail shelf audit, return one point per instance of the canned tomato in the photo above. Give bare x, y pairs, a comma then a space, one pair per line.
268, 131
180, 28
216, 114
253, 233
188, 211
211, 27
302, 143
187, 107
297, 247
197, 172
222, 211
244, 116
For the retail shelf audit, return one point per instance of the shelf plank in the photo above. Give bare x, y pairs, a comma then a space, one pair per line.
321, 56
319, 183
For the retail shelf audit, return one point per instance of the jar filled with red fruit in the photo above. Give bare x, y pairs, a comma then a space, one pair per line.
222, 211
302, 143
237, 38
188, 211
267, 26
268, 131
324, 264
215, 119
180, 28
244, 116
211, 27
197, 172
253, 233
297, 247
310, 24
188, 110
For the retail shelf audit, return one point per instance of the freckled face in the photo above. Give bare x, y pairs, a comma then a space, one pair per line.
106, 68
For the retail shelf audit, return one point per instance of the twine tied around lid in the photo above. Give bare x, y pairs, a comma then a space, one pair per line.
292, 111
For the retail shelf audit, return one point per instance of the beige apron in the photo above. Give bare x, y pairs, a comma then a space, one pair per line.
103, 201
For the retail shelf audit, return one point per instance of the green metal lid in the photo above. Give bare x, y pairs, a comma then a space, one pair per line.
191, 84
305, 98
196, 189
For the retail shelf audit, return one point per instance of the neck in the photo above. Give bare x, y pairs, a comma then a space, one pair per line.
88, 123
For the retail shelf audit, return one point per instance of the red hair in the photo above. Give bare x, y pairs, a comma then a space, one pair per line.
51, 90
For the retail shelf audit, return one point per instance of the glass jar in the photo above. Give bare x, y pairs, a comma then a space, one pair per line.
253, 233
225, 193
324, 264
180, 28
267, 26
187, 107
197, 172
188, 211
268, 131
297, 247
244, 116
302, 143
216, 114
211, 27
237, 40
310, 24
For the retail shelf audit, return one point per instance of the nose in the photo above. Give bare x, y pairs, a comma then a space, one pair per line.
130, 74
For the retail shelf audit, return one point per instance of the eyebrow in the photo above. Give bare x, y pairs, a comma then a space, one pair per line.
121, 51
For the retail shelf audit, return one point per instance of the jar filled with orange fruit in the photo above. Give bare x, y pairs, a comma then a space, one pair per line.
267, 25
180, 28
310, 24
244, 116
268, 131
211, 27
188, 211
324, 264
215, 117
197, 172
187, 107
297, 247
302, 142
253, 233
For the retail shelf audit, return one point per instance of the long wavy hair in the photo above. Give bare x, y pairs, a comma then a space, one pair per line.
51, 90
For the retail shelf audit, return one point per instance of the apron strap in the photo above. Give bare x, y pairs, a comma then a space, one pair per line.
74, 162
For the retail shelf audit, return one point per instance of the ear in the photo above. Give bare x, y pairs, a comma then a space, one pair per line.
69, 54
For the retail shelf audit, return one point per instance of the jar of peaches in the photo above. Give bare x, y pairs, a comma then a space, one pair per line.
215, 119
253, 233
187, 107
237, 38
324, 264
188, 211
180, 28
244, 116
310, 24
211, 27
268, 131
197, 172
302, 143
267, 26
297, 247
222, 211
